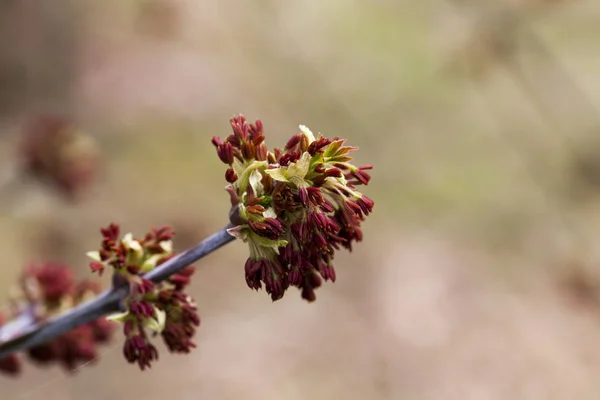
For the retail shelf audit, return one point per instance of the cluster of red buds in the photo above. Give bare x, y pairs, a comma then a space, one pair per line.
151, 308
47, 290
294, 207
52, 148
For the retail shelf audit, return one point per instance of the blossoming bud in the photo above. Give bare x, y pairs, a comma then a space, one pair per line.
230, 175
270, 228
138, 349
160, 308
294, 207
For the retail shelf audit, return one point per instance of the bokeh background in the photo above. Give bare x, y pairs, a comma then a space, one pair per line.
478, 276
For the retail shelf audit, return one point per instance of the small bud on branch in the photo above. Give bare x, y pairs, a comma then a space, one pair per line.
159, 308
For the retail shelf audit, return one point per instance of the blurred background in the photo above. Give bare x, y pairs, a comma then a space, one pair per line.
478, 275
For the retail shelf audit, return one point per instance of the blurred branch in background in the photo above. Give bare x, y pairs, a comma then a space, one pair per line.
501, 36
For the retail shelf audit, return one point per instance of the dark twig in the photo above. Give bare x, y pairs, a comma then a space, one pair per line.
189, 256
19, 335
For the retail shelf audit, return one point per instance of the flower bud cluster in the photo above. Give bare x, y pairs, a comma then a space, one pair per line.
294, 207
46, 291
151, 308
54, 149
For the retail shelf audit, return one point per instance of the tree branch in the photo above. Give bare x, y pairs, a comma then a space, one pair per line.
23, 332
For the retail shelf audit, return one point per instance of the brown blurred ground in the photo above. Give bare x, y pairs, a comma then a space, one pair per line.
477, 275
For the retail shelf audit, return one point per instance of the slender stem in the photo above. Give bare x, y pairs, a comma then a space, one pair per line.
20, 323
19, 335
195, 253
